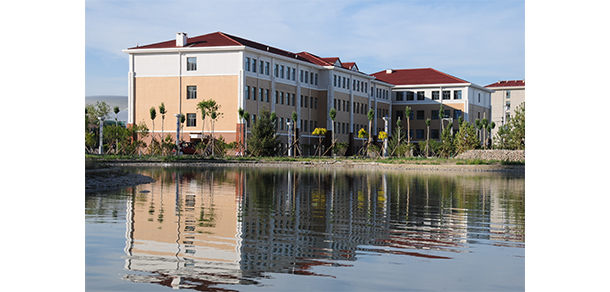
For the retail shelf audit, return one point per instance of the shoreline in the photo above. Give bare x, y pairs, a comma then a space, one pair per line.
322, 163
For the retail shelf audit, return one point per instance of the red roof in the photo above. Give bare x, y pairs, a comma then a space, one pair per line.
507, 83
220, 39
417, 77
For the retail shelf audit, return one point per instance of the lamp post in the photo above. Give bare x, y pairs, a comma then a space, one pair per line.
178, 116
289, 123
386, 120
101, 134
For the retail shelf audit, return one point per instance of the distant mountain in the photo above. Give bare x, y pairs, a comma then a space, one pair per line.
112, 101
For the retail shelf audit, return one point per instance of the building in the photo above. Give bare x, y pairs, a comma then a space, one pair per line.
240, 73
507, 96
424, 91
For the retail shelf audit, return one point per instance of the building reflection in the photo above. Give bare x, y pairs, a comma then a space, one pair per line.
197, 229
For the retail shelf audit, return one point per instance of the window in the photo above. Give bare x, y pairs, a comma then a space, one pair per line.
267, 95
420, 115
281, 98
343, 82
247, 92
311, 79
399, 95
316, 79
508, 94
315, 104
334, 80
410, 95
479, 97
435, 95
301, 100
306, 77
191, 63
262, 66
447, 114
281, 123
301, 75
457, 114
282, 71
508, 105
348, 83
420, 95
434, 133
254, 65
419, 134
293, 74
306, 101
253, 95
446, 94
191, 120
266, 68
399, 115
260, 94
275, 97
457, 94
434, 115
191, 92
276, 70
247, 64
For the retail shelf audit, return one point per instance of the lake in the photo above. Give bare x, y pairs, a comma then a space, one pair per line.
314, 229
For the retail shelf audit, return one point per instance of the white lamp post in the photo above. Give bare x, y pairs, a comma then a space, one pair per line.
101, 134
289, 123
386, 120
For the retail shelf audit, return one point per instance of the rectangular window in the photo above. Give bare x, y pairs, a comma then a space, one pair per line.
247, 64
315, 104
311, 125
260, 94
266, 68
435, 95
301, 75
282, 71
311, 78
343, 82
281, 98
335, 80
316, 79
434, 133
507, 94
508, 105
306, 101
399, 95
301, 100
457, 94
421, 95
191, 120
191, 63
457, 114
434, 115
275, 97
294, 74
447, 114
253, 95
399, 115
247, 92
420, 115
348, 83
419, 134
446, 94
306, 77
254, 65
293, 100
191, 92
262, 66
281, 123
275, 72
410, 95
267, 95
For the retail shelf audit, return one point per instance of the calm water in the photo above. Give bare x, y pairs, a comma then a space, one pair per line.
232, 229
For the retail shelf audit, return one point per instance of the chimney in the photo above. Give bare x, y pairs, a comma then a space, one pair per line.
180, 39
389, 71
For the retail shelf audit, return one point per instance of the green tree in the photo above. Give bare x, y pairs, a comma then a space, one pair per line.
466, 138
516, 137
446, 148
408, 117
162, 111
332, 114
263, 140
153, 115
116, 115
370, 115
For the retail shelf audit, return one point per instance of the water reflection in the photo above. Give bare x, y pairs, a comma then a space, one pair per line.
196, 228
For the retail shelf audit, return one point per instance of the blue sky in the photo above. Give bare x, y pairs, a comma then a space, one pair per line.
479, 41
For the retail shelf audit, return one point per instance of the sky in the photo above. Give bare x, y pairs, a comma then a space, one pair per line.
479, 41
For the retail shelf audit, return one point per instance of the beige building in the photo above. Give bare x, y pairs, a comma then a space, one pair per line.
424, 90
507, 96
240, 73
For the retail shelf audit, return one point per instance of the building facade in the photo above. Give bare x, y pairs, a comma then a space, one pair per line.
240, 73
424, 91
507, 96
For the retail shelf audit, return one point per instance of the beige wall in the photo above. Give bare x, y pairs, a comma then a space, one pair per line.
499, 100
151, 91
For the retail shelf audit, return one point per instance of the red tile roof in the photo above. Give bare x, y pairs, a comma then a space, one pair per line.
416, 77
220, 39
507, 83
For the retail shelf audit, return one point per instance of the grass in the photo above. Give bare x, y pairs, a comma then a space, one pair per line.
393, 160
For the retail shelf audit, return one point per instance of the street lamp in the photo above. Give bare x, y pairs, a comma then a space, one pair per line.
289, 123
101, 134
178, 116
386, 119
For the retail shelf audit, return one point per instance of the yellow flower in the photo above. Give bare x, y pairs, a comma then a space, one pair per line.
319, 131
362, 133
383, 135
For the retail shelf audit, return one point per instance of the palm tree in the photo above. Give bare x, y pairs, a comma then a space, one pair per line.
428, 122
153, 115
408, 116
484, 124
332, 114
203, 107
370, 115
162, 111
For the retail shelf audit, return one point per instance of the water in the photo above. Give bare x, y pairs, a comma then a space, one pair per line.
235, 229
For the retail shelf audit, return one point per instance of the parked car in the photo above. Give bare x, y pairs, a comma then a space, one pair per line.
186, 148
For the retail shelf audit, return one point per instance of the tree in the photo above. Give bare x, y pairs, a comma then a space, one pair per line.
153, 115
446, 147
116, 115
240, 113
332, 114
263, 140
319, 132
370, 115
516, 124
484, 124
202, 106
466, 138
94, 111
162, 111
